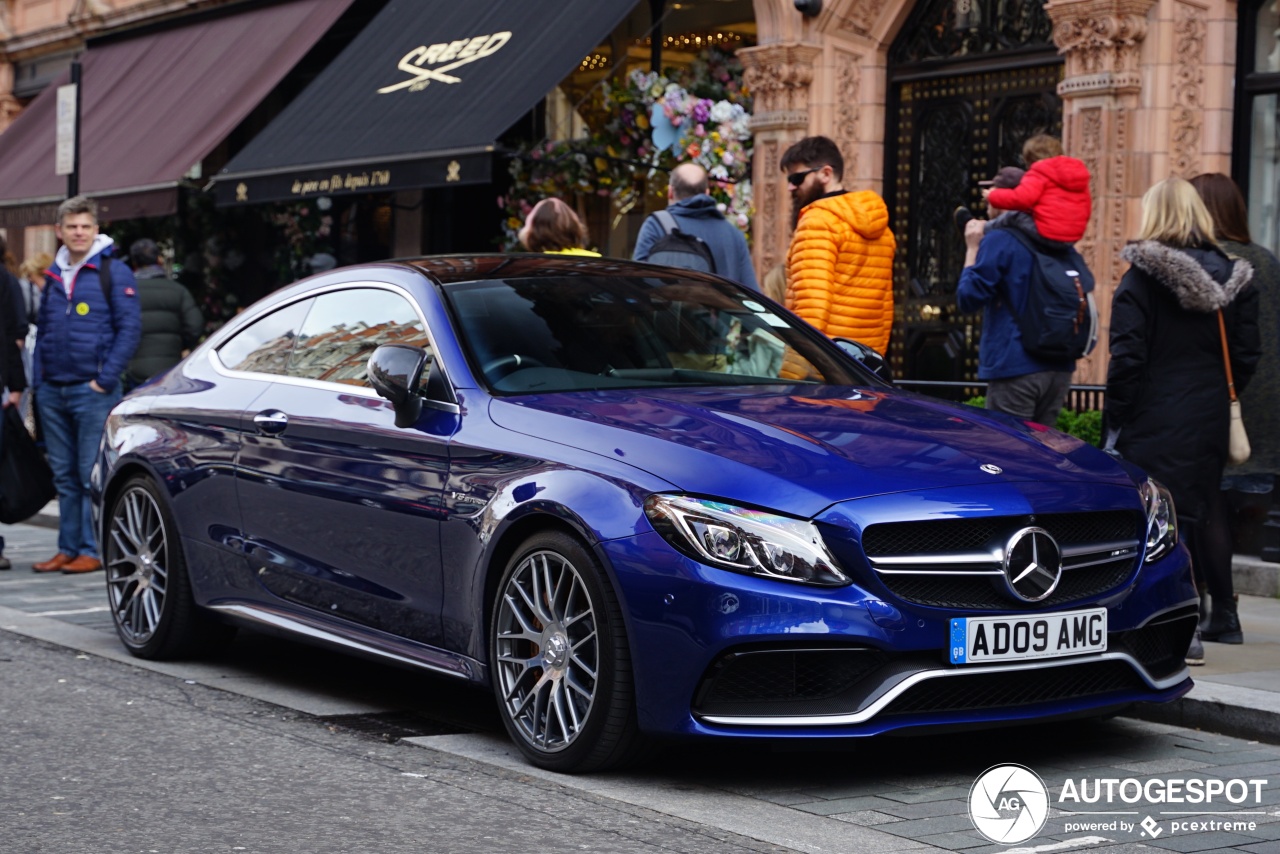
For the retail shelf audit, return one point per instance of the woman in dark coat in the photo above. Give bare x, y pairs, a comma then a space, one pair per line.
1254, 479
1167, 402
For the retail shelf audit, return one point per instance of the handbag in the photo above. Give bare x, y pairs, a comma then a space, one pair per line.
26, 481
1238, 442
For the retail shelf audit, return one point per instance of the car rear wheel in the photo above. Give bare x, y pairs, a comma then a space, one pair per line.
561, 664
147, 583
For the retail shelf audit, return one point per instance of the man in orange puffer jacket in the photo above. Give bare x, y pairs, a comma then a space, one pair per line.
840, 265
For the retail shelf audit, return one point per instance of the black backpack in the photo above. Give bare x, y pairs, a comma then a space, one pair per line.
677, 249
1059, 321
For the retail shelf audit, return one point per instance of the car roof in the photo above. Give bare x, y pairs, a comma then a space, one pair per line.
449, 269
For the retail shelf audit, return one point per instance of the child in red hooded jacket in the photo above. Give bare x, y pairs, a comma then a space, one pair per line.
1055, 191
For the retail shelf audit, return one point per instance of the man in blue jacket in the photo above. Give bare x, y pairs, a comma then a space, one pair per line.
697, 214
996, 275
89, 325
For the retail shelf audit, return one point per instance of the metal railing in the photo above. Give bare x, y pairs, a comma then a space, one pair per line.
1081, 398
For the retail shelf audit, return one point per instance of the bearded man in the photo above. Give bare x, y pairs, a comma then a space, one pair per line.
840, 264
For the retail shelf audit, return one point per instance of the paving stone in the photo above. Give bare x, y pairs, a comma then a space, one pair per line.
917, 796
920, 827
848, 791
867, 818
1271, 847
839, 805
1163, 766
956, 841
1211, 841
926, 809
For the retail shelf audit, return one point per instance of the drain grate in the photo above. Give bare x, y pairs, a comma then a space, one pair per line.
393, 726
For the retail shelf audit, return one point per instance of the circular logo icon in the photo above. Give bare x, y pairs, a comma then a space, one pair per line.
1032, 564
82, 309
1008, 804
991, 468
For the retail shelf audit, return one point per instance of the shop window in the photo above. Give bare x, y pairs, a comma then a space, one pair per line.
1256, 159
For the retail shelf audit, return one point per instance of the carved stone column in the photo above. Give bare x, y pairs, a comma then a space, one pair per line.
778, 76
1102, 41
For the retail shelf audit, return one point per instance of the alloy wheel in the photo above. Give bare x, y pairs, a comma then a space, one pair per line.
547, 651
137, 565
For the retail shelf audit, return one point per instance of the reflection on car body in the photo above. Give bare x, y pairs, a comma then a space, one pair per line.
636, 502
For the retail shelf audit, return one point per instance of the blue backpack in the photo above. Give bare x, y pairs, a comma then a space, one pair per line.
1059, 321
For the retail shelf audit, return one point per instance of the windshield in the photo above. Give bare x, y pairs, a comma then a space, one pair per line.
573, 333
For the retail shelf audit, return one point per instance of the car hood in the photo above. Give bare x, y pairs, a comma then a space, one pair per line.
805, 448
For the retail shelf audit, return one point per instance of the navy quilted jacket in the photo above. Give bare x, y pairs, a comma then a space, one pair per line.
81, 336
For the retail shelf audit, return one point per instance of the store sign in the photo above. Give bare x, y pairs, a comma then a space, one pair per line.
425, 64
65, 146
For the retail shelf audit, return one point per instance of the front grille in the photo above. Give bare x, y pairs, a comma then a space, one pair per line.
790, 682
920, 562
1160, 646
950, 536
1016, 688
987, 593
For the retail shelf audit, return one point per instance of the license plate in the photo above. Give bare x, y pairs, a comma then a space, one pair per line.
977, 640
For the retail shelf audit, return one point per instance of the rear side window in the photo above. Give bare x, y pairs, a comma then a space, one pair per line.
264, 346
344, 327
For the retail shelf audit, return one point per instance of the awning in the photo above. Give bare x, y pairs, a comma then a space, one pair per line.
419, 98
153, 106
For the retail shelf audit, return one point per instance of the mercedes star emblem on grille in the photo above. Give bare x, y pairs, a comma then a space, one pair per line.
1032, 564
991, 469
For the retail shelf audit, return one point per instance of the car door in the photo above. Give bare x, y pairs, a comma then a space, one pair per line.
341, 507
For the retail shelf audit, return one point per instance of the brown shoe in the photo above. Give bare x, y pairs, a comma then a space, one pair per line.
83, 563
53, 564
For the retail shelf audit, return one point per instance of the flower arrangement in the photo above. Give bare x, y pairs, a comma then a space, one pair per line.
652, 123
305, 227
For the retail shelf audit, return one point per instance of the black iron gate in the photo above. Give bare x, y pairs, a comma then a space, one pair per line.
970, 80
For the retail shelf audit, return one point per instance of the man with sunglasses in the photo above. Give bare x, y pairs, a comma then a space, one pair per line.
840, 264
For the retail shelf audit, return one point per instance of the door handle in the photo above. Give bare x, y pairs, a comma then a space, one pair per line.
271, 421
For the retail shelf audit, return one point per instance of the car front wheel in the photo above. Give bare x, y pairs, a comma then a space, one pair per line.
561, 665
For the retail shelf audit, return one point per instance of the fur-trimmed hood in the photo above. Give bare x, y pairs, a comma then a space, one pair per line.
1188, 280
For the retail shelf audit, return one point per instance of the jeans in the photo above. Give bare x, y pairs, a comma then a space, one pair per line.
73, 418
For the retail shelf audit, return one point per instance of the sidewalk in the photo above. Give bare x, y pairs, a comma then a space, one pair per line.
1237, 691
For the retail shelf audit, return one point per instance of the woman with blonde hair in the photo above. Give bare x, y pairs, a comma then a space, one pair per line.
552, 227
1167, 404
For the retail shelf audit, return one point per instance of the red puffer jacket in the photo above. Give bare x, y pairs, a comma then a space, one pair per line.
1056, 194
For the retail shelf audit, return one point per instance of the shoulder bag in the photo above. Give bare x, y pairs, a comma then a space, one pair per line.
1238, 443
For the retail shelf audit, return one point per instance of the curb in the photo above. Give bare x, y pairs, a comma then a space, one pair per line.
43, 520
1220, 708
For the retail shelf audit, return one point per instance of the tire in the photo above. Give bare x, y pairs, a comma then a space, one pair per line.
556, 622
148, 587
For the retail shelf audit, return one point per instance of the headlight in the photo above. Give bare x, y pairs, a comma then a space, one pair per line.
1162, 521
743, 540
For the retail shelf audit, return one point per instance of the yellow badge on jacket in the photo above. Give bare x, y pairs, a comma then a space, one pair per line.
82, 309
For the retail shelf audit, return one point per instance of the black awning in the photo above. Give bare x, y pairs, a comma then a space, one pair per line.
155, 105
419, 98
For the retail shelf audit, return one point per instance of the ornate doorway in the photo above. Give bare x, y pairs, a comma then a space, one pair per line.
969, 81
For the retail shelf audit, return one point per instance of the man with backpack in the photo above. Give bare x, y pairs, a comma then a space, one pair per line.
692, 233
1038, 316
89, 325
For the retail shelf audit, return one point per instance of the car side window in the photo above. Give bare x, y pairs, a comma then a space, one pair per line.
344, 327
265, 345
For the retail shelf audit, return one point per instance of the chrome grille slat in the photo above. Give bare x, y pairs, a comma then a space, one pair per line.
958, 563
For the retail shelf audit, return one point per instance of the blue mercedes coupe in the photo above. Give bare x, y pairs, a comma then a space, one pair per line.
635, 502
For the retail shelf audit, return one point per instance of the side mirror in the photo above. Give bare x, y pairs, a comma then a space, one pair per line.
395, 370
869, 358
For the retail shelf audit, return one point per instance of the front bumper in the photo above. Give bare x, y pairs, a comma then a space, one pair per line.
692, 627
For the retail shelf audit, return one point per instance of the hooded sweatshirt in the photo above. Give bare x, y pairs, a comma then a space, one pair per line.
1056, 194
840, 268
83, 335
700, 216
